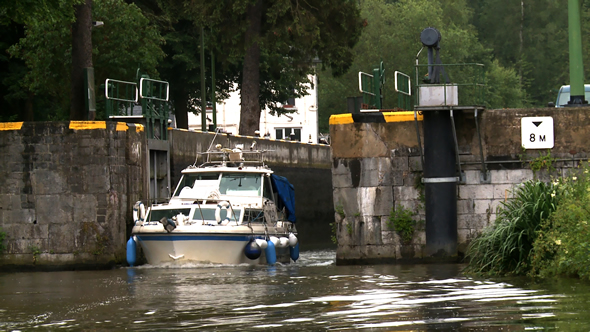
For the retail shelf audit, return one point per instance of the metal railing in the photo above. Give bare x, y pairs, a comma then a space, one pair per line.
468, 79
121, 97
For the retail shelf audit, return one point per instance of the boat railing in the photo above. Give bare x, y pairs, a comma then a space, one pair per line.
236, 157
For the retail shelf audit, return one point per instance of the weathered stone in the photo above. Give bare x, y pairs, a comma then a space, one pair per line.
347, 198
482, 206
375, 201
405, 193
465, 206
372, 227
54, 209
472, 176
84, 208
47, 182
483, 191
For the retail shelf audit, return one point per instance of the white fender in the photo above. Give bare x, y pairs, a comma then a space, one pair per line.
283, 242
261, 243
221, 205
292, 240
274, 240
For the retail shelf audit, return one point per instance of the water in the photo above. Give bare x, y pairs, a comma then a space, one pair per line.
311, 295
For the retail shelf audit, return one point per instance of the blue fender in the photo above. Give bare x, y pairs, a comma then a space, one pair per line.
271, 254
131, 252
252, 250
294, 252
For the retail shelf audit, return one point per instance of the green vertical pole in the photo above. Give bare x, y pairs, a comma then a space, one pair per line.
203, 92
377, 87
213, 99
575, 48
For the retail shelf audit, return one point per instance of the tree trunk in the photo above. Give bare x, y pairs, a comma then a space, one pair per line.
250, 112
29, 113
180, 108
81, 58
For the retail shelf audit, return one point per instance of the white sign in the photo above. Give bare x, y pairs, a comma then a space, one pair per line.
537, 132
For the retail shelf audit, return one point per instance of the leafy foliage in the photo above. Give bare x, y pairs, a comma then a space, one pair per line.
125, 42
392, 35
563, 242
402, 221
505, 246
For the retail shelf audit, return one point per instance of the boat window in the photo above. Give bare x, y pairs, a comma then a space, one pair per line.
156, 215
267, 188
240, 184
189, 180
208, 214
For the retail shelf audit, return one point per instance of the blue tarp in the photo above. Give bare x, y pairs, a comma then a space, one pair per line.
286, 195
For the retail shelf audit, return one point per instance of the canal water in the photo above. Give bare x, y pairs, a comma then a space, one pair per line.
311, 295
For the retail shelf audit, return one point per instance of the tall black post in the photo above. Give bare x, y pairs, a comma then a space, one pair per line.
440, 184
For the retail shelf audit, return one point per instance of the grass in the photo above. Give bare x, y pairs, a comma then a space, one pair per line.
504, 247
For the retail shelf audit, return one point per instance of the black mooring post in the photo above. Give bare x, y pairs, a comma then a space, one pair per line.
440, 184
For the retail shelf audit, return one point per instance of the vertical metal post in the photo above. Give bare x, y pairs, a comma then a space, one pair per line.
440, 185
575, 50
377, 87
213, 99
203, 92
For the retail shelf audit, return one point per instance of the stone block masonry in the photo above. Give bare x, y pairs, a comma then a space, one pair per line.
376, 167
66, 192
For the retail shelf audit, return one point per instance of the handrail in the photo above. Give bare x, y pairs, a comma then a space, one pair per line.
409, 93
156, 81
106, 90
361, 83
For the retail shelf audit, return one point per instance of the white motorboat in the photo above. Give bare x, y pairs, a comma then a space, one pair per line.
230, 209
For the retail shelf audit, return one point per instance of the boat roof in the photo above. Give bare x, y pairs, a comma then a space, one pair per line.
227, 169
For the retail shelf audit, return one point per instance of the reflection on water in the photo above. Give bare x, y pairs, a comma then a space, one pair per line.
311, 295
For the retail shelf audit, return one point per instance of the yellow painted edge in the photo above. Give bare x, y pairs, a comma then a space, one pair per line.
400, 116
83, 125
138, 127
121, 126
11, 125
337, 119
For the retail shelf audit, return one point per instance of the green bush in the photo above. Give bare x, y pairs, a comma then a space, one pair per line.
504, 247
563, 243
402, 221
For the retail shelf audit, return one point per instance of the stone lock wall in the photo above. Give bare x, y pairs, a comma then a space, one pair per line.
376, 166
66, 192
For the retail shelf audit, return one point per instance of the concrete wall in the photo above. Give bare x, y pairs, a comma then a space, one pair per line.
66, 192
376, 166
307, 166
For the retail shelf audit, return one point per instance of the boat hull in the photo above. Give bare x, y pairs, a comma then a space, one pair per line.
202, 248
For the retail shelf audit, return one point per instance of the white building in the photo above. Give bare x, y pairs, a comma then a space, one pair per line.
302, 125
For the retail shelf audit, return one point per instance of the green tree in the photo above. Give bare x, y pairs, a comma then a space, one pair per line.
392, 36
125, 42
532, 37
277, 38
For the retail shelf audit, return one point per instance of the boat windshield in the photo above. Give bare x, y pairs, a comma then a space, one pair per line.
156, 215
208, 214
240, 184
197, 180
